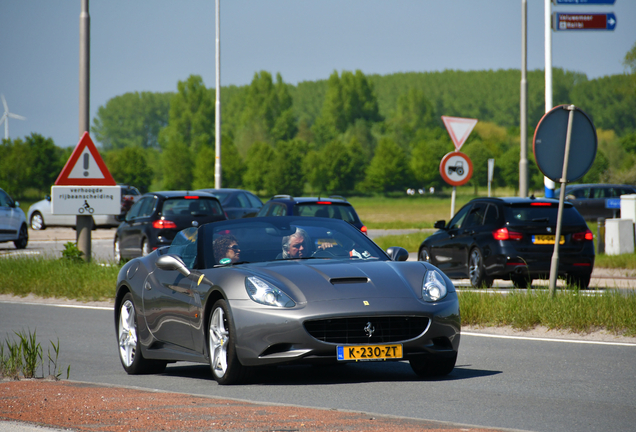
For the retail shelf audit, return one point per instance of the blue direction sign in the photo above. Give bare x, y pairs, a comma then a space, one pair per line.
584, 2
583, 21
613, 203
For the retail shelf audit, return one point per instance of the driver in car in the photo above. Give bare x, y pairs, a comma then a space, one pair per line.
297, 245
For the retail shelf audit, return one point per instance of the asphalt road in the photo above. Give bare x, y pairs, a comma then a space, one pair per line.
505, 383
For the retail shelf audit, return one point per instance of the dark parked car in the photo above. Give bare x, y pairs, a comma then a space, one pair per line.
157, 217
511, 238
335, 207
237, 203
344, 303
591, 199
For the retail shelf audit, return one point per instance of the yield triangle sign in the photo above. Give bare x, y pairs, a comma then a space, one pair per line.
85, 167
459, 128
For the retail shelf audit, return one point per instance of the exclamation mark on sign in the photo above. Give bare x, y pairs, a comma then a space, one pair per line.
86, 157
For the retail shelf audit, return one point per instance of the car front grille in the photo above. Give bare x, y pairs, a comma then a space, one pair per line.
378, 329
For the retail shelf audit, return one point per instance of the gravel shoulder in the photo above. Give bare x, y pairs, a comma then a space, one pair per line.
78, 406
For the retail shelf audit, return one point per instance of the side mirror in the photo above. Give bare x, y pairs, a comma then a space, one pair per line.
48, 198
440, 224
397, 253
172, 262
16, 204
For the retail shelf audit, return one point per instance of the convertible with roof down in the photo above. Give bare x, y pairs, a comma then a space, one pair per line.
243, 293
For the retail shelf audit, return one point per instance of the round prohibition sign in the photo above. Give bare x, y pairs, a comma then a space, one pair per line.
456, 168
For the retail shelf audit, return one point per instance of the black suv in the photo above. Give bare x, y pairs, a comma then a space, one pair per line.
155, 219
335, 207
512, 239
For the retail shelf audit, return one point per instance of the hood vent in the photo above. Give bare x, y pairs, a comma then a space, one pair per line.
348, 280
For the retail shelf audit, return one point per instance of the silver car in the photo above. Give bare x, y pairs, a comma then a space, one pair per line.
250, 292
13, 225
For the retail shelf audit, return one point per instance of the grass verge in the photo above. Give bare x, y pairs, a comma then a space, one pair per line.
57, 278
572, 310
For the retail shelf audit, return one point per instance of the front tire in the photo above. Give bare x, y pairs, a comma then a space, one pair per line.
23, 238
434, 367
225, 365
37, 221
578, 280
145, 248
424, 255
130, 355
117, 250
520, 281
476, 270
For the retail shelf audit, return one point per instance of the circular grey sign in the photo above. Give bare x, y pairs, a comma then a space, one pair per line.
549, 143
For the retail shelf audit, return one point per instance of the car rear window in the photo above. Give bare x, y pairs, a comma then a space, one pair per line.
543, 214
333, 211
192, 207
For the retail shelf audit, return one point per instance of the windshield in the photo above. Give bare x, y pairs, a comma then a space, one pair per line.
284, 238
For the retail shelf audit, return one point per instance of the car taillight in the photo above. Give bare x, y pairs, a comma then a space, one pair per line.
505, 234
164, 224
364, 230
583, 235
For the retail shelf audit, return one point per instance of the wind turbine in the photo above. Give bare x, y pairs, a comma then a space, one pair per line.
6, 116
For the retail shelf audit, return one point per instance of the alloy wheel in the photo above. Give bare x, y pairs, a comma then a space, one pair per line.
219, 338
127, 333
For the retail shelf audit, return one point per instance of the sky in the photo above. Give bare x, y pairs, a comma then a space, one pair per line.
150, 45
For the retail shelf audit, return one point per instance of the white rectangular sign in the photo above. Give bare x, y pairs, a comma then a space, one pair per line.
86, 200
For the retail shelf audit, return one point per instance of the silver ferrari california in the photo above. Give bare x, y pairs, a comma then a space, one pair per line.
244, 293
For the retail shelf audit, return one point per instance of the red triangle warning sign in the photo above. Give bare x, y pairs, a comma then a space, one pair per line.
85, 167
459, 128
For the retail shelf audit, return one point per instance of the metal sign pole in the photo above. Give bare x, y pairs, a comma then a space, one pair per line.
84, 224
453, 201
554, 266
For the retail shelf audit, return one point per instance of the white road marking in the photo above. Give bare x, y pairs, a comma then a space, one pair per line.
530, 338
59, 305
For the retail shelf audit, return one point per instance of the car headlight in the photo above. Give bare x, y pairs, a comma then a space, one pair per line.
265, 293
433, 287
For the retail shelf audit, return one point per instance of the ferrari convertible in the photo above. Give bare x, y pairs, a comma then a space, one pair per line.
245, 293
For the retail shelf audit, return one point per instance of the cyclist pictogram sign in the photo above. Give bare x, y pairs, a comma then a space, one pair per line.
85, 186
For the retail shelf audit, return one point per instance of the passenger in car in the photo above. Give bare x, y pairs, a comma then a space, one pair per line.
227, 250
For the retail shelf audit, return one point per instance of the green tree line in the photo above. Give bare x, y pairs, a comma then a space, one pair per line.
350, 133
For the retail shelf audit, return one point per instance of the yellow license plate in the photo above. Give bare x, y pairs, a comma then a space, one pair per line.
546, 239
369, 352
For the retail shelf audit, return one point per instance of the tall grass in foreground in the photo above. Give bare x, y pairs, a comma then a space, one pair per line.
57, 278
573, 310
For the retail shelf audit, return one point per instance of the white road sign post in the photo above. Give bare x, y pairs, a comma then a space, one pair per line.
491, 173
456, 168
85, 188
